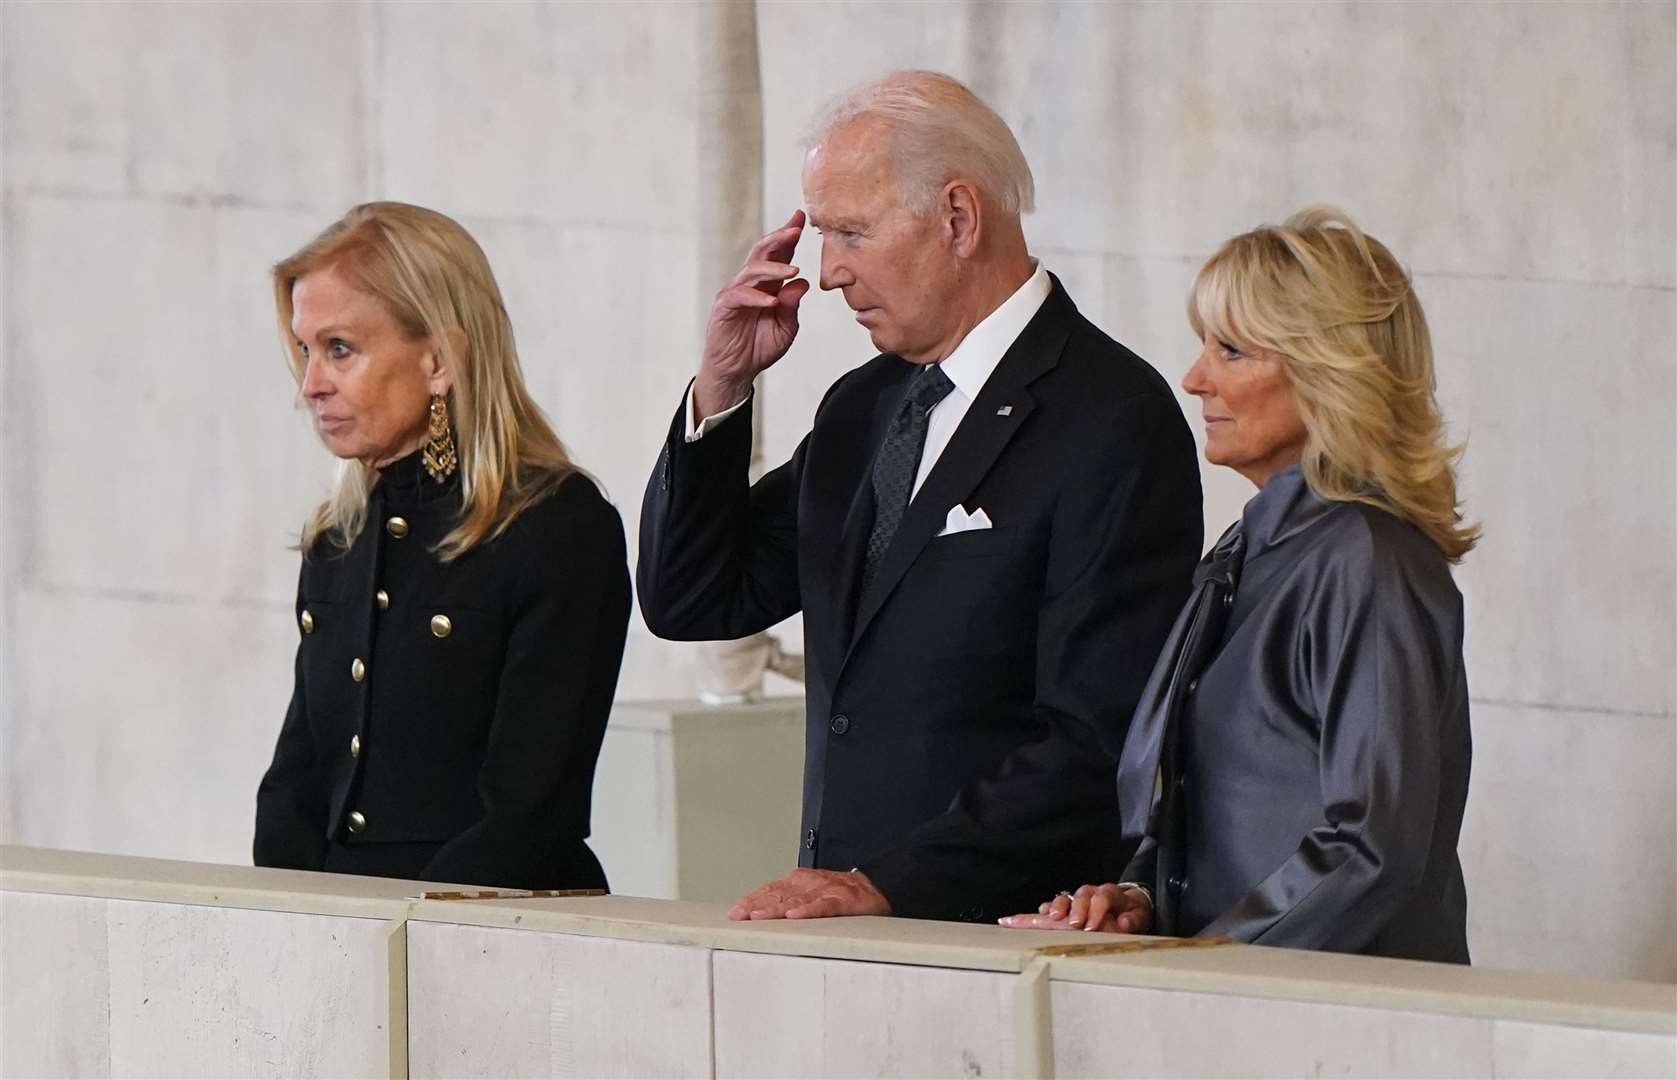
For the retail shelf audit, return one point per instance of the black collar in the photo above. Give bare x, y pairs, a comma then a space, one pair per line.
405, 484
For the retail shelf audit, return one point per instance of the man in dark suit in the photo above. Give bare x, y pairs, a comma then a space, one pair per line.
989, 528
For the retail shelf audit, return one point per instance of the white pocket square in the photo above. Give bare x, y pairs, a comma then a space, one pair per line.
960, 521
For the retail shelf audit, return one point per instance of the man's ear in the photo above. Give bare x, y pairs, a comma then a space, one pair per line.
963, 216
441, 374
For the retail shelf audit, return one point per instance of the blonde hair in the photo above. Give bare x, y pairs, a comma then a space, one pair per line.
938, 131
433, 278
1341, 313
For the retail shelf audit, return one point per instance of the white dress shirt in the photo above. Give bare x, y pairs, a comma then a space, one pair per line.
968, 367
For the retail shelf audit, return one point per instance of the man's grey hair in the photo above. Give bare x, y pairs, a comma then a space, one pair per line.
937, 131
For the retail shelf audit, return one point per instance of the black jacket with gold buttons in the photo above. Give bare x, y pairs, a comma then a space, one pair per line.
446, 717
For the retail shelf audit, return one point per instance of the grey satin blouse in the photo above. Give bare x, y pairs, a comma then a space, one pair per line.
1320, 759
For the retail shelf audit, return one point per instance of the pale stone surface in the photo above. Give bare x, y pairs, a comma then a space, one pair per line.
54, 986
265, 121
796, 1017
488, 1002
186, 471
737, 834
126, 767
166, 881
617, 363
1651, 116
1373, 982
524, 114
671, 818
222, 992
1570, 467
1551, 1050
724, 837
1119, 1031
573, 986
61, 72
1563, 797
102, 987
1113, 1032
634, 825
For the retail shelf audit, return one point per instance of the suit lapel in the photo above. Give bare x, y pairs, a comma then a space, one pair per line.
984, 432
842, 479
858, 521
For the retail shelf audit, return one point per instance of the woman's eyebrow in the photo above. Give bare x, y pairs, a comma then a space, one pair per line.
335, 328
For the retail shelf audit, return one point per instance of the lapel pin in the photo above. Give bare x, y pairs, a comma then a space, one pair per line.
1005, 410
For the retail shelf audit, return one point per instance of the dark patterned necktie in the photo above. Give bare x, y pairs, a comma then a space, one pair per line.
899, 460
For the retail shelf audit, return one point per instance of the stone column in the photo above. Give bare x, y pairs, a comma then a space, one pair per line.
730, 118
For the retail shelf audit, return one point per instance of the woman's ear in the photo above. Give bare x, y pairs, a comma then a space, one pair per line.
441, 374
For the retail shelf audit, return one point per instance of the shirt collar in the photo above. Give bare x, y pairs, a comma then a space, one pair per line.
1282, 508
982, 349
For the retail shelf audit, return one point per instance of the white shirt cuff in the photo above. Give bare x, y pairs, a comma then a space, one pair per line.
699, 431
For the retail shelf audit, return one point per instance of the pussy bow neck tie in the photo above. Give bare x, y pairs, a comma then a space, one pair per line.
1154, 739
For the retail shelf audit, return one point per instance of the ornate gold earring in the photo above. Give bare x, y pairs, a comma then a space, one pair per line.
440, 459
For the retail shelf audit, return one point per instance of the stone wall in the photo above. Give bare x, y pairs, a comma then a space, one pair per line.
158, 157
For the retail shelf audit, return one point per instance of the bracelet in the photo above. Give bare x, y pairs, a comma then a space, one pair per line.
1139, 887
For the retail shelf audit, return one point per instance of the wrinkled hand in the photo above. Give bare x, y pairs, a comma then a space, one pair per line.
1116, 909
812, 894
752, 321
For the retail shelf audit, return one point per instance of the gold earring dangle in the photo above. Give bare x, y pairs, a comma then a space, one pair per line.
440, 459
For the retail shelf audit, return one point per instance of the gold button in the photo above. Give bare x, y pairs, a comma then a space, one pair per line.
357, 670
383, 599
355, 746
397, 527
357, 821
308, 622
441, 626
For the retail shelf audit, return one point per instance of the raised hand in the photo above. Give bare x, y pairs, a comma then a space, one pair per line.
1119, 909
752, 321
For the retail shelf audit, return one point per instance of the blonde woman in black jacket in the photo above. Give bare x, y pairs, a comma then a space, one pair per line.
464, 593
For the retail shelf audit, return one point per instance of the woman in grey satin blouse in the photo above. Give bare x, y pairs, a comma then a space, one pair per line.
1296, 771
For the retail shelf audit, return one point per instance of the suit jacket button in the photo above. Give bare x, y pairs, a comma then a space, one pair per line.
383, 600
355, 746
840, 724
809, 839
1177, 884
1193, 685
397, 527
357, 670
441, 626
357, 821
1228, 599
307, 621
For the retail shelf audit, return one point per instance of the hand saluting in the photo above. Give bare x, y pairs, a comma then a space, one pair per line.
752, 322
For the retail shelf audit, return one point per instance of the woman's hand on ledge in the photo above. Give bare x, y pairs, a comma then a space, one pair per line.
1117, 909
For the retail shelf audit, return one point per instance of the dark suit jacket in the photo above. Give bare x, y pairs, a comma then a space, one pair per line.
467, 750
964, 716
